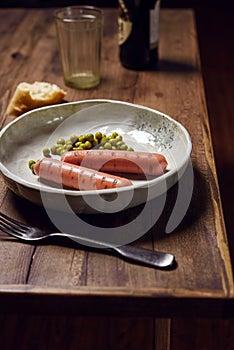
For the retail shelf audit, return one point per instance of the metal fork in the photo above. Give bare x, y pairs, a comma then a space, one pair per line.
140, 255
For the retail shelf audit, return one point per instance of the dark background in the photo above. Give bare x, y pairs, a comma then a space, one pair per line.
112, 3
215, 28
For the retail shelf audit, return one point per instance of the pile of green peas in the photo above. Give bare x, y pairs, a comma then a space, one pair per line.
98, 140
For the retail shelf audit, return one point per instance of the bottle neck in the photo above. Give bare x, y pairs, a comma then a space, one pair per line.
126, 5
151, 3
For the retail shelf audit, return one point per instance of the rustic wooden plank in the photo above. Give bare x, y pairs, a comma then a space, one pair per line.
13, 254
182, 96
115, 301
162, 334
57, 266
198, 334
66, 333
16, 64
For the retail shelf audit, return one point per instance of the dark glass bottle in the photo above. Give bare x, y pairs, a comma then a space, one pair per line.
138, 33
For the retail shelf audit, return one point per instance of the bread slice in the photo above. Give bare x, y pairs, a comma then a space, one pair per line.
29, 96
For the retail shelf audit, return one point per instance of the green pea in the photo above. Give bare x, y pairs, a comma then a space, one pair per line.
123, 147
53, 149
114, 135
82, 138
89, 137
77, 144
68, 142
68, 147
87, 145
113, 141
59, 150
61, 141
107, 145
104, 139
119, 138
73, 138
95, 142
119, 144
46, 152
31, 163
80, 147
98, 135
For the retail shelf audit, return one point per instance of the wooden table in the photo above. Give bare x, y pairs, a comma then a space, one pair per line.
116, 302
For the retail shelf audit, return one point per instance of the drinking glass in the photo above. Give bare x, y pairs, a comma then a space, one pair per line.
79, 32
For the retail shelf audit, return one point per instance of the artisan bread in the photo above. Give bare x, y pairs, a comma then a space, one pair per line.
29, 96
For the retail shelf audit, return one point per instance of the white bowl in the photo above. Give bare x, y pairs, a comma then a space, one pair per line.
142, 128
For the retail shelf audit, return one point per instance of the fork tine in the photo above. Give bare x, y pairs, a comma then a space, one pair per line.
11, 223
10, 231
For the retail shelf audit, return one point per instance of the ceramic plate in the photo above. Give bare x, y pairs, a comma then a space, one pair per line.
142, 128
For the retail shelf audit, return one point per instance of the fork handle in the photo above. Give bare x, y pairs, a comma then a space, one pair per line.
146, 256
140, 255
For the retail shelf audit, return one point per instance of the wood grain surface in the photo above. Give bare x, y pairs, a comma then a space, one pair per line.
58, 279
